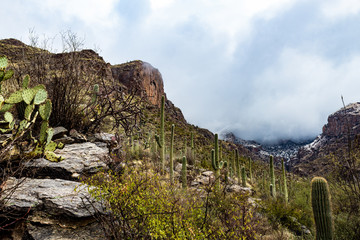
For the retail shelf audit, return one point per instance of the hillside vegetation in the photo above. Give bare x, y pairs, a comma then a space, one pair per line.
167, 179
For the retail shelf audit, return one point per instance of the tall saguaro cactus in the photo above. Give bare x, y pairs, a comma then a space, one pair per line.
161, 139
192, 147
171, 154
183, 173
321, 205
286, 197
272, 177
243, 177
237, 163
216, 164
250, 170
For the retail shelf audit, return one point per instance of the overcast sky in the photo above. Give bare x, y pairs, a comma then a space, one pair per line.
265, 69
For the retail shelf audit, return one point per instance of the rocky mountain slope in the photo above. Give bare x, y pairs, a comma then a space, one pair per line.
286, 149
138, 76
44, 192
339, 134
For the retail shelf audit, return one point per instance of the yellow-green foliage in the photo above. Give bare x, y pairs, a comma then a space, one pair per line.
145, 206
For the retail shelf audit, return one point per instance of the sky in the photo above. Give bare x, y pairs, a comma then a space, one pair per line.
263, 69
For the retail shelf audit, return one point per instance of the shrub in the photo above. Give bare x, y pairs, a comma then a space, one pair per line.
143, 205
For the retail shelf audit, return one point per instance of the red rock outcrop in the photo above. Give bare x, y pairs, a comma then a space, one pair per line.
143, 75
343, 122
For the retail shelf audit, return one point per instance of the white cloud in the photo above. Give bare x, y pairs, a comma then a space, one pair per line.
294, 96
230, 19
157, 4
89, 12
340, 8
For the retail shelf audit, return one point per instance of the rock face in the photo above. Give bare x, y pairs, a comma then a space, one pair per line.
79, 159
342, 126
57, 196
141, 74
55, 203
343, 122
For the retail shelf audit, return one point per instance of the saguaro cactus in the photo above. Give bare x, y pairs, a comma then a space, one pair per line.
250, 169
271, 190
171, 154
192, 147
237, 163
183, 173
233, 165
217, 165
321, 205
272, 177
161, 139
243, 176
284, 181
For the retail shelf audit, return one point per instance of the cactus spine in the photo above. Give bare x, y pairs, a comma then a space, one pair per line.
286, 197
183, 173
243, 177
171, 154
216, 164
272, 177
321, 205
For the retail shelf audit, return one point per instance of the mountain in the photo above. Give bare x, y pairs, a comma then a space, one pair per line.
137, 76
286, 149
340, 134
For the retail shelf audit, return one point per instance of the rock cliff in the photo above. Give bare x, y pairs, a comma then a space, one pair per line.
141, 74
135, 75
340, 132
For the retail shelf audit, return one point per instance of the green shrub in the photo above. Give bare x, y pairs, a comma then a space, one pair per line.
144, 205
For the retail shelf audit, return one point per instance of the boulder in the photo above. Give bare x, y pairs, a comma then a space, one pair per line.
55, 209
104, 137
79, 159
56, 197
239, 189
92, 231
59, 132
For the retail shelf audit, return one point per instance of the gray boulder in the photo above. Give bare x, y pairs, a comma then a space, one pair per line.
80, 158
56, 197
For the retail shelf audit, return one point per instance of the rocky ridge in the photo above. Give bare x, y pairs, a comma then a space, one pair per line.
137, 76
342, 128
285, 149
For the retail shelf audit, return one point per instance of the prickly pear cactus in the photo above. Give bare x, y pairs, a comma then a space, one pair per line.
24, 101
3, 63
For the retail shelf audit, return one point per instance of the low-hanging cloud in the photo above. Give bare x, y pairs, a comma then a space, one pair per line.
265, 69
293, 97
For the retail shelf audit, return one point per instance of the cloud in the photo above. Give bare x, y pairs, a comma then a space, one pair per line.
229, 19
89, 12
294, 96
265, 69
337, 9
